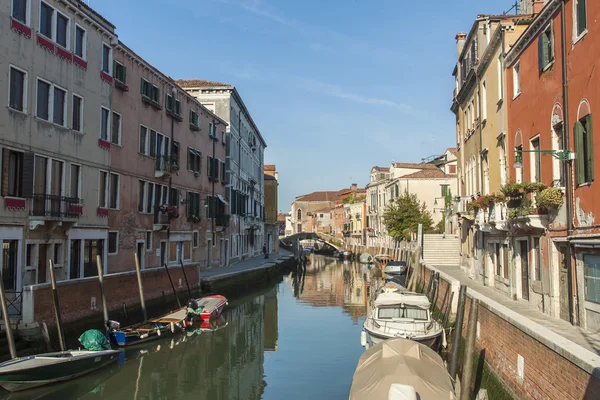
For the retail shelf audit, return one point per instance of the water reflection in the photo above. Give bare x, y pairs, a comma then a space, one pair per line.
297, 340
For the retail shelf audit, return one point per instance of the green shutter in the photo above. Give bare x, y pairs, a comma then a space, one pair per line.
124, 69
579, 155
142, 85
590, 147
581, 17
541, 63
115, 69
191, 119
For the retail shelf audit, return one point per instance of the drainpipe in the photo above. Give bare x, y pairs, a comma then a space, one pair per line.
573, 303
481, 233
213, 233
170, 161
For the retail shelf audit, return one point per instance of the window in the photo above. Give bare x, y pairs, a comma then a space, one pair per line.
519, 171
142, 195
546, 48
537, 267
46, 17
299, 214
17, 90
584, 150
174, 197
517, 79
60, 107
484, 101
19, 11
113, 199
173, 105
115, 136
13, 165
120, 72
92, 248
30, 255
75, 191
445, 190
558, 165
536, 171
223, 137
105, 118
500, 79
43, 100
210, 129
152, 147
194, 160
580, 23
187, 250
113, 242
106, 58
150, 91
143, 140
222, 171
148, 240
196, 240
58, 255
80, 42
62, 30
77, 122
592, 278
103, 190
193, 204
194, 119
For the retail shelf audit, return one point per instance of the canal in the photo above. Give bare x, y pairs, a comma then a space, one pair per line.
297, 339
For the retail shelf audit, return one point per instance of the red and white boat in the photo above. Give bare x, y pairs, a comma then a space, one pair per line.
212, 306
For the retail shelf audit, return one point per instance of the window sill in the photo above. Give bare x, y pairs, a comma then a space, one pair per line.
585, 184
121, 85
578, 38
62, 127
516, 96
21, 28
548, 66
17, 111
195, 128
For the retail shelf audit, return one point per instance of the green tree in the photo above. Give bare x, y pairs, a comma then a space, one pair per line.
404, 214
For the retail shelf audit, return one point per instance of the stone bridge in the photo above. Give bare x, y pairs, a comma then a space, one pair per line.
288, 241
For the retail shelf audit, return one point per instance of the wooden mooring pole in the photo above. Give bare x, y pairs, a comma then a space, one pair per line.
6, 317
59, 327
172, 286
460, 314
140, 286
467, 380
101, 280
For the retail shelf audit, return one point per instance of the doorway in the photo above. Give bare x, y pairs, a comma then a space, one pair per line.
10, 268
563, 285
42, 263
524, 254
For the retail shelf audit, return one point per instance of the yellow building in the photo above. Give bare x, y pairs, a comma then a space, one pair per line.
271, 226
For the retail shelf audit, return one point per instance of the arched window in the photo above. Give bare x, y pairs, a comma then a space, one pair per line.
557, 144
299, 214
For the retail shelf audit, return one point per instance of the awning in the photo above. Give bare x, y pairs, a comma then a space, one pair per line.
590, 243
222, 200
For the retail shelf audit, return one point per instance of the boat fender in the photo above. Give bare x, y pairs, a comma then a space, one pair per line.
363, 339
172, 328
144, 336
158, 332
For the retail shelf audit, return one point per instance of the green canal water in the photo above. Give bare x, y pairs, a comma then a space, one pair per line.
298, 339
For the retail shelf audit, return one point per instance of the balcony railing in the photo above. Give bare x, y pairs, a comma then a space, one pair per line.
165, 165
54, 206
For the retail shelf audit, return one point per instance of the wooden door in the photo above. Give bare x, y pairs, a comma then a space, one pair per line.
42, 263
563, 279
524, 269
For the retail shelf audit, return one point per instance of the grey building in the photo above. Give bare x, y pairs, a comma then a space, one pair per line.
244, 164
56, 74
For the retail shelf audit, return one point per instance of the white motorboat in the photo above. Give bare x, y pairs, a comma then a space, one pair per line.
401, 369
403, 314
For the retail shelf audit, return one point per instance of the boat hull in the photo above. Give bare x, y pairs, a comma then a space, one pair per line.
431, 341
213, 307
46, 374
124, 338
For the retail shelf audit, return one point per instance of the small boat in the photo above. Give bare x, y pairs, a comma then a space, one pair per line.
43, 369
395, 268
212, 306
366, 258
401, 369
403, 314
383, 259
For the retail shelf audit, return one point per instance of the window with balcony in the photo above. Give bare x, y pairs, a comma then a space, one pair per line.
105, 124
106, 58
580, 18
546, 48
194, 161
19, 10
77, 117
115, 137
80, 42
48, 192
584, 150
17, 99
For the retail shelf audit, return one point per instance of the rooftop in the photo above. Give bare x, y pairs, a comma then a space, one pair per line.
427, 174
269, 167
415, 165
381, 169
319, 196
194, 83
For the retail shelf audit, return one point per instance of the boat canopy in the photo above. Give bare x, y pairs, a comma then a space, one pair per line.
397, 264
407, 298
401, 361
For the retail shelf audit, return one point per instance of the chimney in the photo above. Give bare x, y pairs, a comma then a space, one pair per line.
460, 42
354, 187
538, 5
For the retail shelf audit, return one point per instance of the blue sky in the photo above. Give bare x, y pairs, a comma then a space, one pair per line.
335, 86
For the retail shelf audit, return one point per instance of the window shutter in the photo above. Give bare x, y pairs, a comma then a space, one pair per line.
541, 51
191, 119
590, 147
5, 177
142, 85
177, 107
579, 156
28, 161
124, 74
115, 68
189, 160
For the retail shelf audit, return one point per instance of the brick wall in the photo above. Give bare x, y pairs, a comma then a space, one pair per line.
119, 288
547, 374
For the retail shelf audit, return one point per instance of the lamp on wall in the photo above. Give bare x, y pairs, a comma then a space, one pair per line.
562, 155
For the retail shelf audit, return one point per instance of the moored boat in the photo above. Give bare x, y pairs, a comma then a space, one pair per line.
395, 268
212, 306
403, 314
43, 369
401, 369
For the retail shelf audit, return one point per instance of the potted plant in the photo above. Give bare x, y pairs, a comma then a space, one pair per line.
548, 200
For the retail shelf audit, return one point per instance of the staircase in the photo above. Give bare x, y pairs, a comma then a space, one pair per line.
439, 250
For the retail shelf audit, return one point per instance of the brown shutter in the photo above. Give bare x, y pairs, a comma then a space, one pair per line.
5, 177
28, 162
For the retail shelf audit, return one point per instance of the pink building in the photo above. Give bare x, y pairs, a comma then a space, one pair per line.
168, 163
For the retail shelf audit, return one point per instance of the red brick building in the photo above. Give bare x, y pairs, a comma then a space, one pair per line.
557, 264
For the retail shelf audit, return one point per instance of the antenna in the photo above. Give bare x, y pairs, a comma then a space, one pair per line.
515, 7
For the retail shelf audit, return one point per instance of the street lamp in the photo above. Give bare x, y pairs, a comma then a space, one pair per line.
562, 155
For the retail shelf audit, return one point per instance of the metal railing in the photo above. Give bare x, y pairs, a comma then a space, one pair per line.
167, 163
53, 206
14, 303
411, 326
